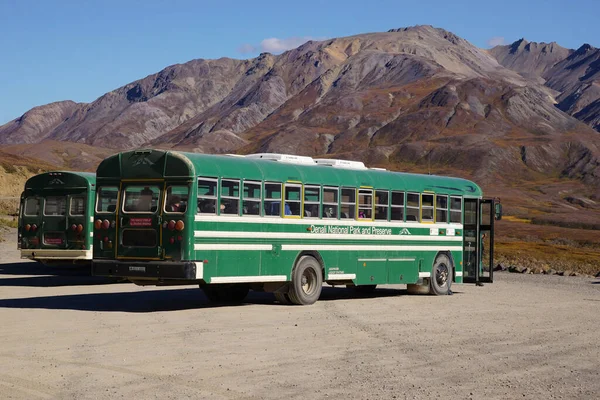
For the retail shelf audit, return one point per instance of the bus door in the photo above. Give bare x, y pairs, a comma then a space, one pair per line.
77, 222
139, 227
478, 244
54, 221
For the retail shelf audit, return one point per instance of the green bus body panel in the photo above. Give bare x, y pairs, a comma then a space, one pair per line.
369, 266
59, 183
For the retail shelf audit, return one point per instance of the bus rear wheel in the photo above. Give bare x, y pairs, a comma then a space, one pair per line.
307, 281
226, 293
441, 276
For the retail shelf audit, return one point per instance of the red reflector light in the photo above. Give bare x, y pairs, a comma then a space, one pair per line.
34, 227
172, 240
73, 227
171, 225
179, 238
105, 239
179, 225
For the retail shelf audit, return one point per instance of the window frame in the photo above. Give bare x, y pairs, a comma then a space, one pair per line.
78, 196
335, 204
207, 197
124, 191
301, 201
252, 199
346, 203
398, 206
98, 193
438, 208
318, 202
167, 194
38, 207
377, 205
460, 210
359, 207
418, 207
272, 199
431, 207
221, 197
64, 197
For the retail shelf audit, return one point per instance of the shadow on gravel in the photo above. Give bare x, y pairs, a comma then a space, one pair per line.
168, 300
49, 276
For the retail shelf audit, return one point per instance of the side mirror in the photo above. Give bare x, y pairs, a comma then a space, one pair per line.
498, 211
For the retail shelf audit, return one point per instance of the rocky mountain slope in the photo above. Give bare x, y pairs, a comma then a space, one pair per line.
573, 74
418, 96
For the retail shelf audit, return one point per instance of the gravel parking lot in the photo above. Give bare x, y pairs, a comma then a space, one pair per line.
66, 335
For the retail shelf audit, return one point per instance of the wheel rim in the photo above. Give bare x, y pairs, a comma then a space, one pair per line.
441, 275
309, 281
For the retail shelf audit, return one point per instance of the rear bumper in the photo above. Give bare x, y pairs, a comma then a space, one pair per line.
150, 270
56, 254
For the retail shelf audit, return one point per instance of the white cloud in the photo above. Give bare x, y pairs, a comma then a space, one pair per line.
276, 45
247, 48
496, 41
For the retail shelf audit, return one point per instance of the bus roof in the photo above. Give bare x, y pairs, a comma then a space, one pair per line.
61, 179
145, 164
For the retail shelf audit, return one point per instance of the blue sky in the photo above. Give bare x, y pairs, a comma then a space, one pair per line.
79, 50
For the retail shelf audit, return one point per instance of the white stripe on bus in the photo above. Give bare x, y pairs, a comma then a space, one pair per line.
340, 277
199, 270
401, 259
233, 246
458, 273
248, 279
424, 274
367, 248
372, 259
316, 221
300, 235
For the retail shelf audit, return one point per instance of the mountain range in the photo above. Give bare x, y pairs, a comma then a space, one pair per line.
420, 98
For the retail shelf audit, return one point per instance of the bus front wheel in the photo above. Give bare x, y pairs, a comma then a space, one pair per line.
441, 276
307, 281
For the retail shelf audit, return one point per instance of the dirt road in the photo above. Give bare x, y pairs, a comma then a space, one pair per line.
65, 335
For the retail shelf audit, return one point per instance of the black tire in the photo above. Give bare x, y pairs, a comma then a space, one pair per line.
441, 276
365, 289
307, 281
282, 298
228, 294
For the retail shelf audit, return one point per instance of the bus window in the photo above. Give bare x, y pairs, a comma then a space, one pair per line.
312, 200
381, 205
55, 205
412, 207
77, 205
251, 198
365, 204
177, 198
207, 196
141, 199
455, 209
32, 206
427, 207
107, 199
293, 199
272, 203
348, 203
397, 206
441, 208
230, 197
330, 202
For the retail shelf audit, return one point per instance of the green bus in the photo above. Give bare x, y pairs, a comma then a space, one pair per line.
285, 224
55, 217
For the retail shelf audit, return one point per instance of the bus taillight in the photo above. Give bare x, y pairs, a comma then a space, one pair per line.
27, 227
73, 227
98, 224
105, 224
179, 225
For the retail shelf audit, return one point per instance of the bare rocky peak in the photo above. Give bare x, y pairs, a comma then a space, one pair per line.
530, 58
